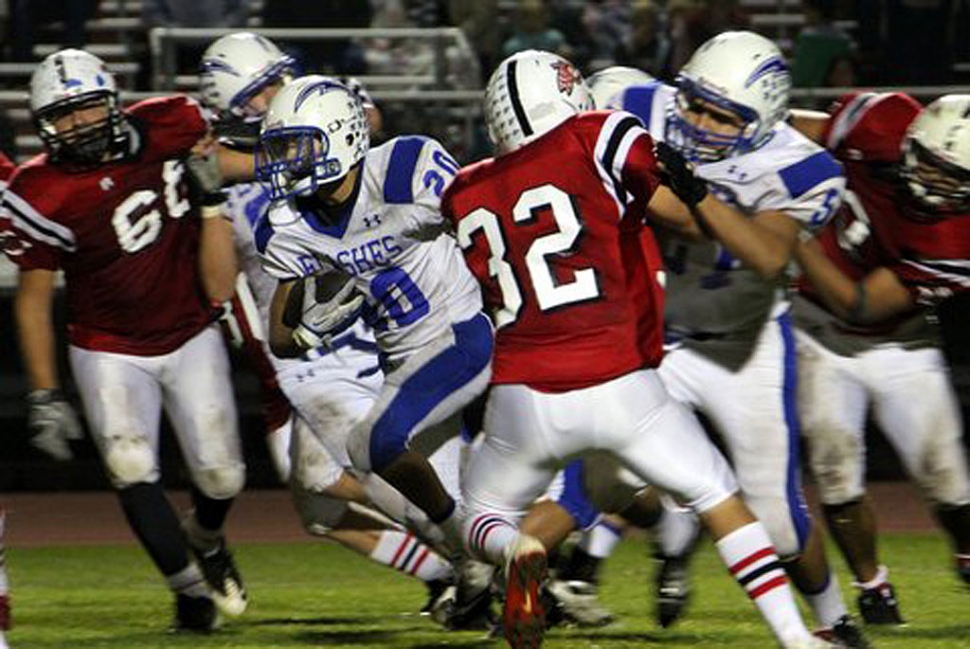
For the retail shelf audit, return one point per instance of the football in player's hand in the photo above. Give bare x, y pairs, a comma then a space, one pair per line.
329, 284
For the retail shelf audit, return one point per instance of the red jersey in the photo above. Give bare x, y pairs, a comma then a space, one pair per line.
876, 225
6, 170
124, 234
555, 234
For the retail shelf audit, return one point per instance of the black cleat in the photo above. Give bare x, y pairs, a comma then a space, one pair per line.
673, 589
223, 577
436, 588
575, 602
844, 633
195, 614
879, 606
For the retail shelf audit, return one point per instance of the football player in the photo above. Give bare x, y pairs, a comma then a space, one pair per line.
6, 170
331, 386
573, 278
732, 354
899, 246
109, 204
367, 220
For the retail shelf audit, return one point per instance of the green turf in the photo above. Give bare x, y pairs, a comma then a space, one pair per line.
307, 595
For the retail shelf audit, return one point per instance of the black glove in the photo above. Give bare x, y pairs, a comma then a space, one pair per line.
680, 175
206, 177
52, 423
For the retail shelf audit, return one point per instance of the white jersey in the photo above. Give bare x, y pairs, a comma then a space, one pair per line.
393, 241
710, 295
355, 349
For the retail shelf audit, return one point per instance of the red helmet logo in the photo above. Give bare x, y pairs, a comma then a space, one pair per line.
567, 76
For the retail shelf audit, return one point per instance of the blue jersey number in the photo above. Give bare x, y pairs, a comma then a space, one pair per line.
400, 296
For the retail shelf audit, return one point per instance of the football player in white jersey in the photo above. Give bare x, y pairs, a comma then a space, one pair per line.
367, 221
731, 353
330, 387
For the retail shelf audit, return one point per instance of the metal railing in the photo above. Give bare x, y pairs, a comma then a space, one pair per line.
165, 41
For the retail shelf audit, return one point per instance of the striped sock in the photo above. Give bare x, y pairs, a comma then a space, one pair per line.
752, 561
489, 535
403, 552
188, 581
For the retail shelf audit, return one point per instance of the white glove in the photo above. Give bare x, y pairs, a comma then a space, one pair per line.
319, 321
52, 423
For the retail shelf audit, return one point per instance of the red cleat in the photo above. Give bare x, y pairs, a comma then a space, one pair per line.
524, 617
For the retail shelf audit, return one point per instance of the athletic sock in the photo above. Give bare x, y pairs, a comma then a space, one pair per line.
188, 582
405, 553
489, 535
752, 561
827, 602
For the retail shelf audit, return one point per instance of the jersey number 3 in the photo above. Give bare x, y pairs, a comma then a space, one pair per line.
550, 293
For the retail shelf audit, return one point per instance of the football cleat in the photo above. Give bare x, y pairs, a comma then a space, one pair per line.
844, 633
578, 603
672, 589
223, 577
195, 614
436, 589
879, 606
523, 618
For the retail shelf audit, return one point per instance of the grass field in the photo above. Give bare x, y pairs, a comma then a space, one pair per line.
309, 595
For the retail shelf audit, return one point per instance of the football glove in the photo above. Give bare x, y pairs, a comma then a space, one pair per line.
680, 175
321, 320
52, 423
206, 177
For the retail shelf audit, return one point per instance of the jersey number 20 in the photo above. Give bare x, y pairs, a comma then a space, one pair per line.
549, 293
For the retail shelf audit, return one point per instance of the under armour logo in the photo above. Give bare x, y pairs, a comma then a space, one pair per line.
106, 183
372, 221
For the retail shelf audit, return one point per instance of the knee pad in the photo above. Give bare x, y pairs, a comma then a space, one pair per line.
130, 460
222, 482
837, 460
358, 446
320, 514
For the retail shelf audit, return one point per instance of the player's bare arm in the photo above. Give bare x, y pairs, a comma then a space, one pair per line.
33, 307
878, 296
810, 123
236, 166
283, 318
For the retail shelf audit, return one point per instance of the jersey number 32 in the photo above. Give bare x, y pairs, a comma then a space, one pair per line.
550, 294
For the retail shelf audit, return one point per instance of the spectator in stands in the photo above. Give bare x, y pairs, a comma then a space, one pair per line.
607, 27
195, 13
326, 56
27, 15
532, 31
647, 46
693, 22
823, 52
478, 19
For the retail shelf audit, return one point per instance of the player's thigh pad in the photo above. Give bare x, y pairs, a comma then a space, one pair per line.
122, 399
832, 405
429, 387
753, 410
916, 407
200, 402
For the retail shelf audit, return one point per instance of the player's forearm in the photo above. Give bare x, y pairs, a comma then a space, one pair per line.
836, 289
218, 264
236, 166
35, 328
281, 341
878, 296
765, 250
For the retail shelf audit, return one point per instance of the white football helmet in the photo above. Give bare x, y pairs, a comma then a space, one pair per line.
529, 94
606, 84
64, 82
314, 133
742, 73
936, 156
237, 67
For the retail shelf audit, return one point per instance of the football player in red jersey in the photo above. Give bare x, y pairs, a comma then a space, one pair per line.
899, 246
109, 205
6, 169
553, 229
